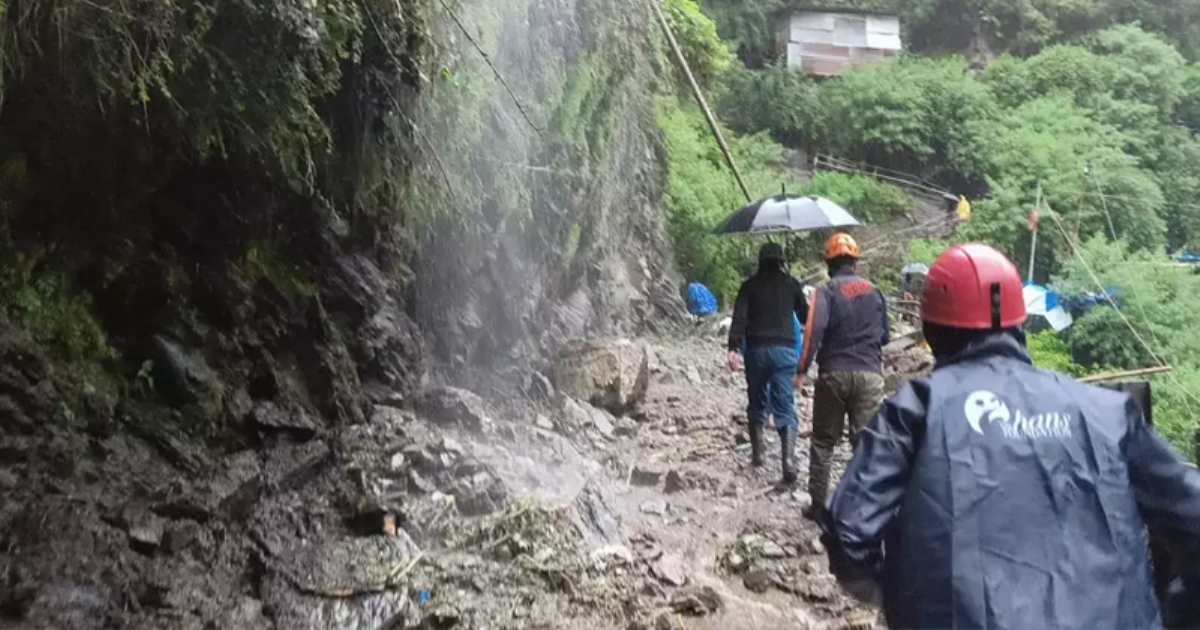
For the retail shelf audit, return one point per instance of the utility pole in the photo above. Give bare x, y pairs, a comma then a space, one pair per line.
1033, 226
708, 115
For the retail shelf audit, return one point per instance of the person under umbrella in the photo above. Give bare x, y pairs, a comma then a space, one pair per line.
764, 315
993, 494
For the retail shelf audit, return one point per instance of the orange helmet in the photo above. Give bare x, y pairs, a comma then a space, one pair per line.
841, 244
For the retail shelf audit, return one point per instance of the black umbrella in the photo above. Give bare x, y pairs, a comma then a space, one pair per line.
787, 213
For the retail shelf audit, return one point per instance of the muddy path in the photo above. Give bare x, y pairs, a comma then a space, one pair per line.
650, 521
717, 521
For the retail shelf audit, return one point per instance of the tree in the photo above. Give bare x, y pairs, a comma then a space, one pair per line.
1083, 173
776, 98
706, 53
910, 114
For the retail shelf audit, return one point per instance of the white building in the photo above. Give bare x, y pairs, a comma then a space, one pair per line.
826, 43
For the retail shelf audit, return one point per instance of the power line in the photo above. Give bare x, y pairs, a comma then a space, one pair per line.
1133, 329
1111, 230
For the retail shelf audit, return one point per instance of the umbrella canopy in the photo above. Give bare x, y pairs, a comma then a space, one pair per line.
787, 213
915, 268
1044, 302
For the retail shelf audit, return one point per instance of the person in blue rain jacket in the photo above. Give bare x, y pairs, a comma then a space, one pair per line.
996, 495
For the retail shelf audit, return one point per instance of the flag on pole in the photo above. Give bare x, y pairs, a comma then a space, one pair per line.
1033, 220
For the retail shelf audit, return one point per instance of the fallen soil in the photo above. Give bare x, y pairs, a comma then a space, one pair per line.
659, 523
441, 511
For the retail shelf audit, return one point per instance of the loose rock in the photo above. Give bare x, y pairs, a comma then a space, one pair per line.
803, 500
674, 483
646, 477
772, 550
612, 555
757, 580
698, 601
449, 405
181, 536
603, 423
146, 537
667, 621
657, 508
669, 569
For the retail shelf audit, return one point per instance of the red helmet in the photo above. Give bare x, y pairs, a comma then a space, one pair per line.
974, 287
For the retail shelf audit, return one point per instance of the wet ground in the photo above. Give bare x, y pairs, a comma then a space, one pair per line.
445, 511
679, 531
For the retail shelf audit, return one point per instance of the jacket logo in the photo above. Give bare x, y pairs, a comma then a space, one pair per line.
857, 289
1016, 425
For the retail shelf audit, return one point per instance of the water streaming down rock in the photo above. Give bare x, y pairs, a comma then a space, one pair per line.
555, 231
539, 182
245, 479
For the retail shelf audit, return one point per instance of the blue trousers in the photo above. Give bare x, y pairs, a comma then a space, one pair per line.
769, 374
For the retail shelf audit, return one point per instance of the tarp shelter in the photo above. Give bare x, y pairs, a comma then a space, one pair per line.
1042, 301
1083, 302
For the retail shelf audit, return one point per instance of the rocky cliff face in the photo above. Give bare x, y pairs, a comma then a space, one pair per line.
548, 184
276, 224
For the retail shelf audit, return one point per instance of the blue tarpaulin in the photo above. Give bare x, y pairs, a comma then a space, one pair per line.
1046, 302
701, 301
1083, 302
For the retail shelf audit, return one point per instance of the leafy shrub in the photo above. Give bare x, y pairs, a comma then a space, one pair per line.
707, 55
865, 197
1050, 352
56, 314
777, 99
1176, 408
701, 192
922, 250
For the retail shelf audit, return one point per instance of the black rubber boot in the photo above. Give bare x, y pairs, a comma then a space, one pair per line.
787, 446
756, 443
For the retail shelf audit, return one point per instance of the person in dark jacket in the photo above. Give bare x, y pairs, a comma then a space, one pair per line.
996, 495
846, 332
768, 305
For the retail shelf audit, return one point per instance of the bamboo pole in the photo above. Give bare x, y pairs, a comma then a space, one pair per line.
708, 115
1112, 376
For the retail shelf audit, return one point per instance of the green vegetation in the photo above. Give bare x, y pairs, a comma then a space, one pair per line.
1092, 108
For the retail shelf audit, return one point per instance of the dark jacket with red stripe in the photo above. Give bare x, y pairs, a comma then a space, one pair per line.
847, 326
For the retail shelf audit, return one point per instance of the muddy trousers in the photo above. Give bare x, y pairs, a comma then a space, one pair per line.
838, 397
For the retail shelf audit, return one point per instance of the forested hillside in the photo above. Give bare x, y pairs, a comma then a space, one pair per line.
1097, 104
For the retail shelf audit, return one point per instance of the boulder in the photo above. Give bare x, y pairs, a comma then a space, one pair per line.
449, 405
612, 374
